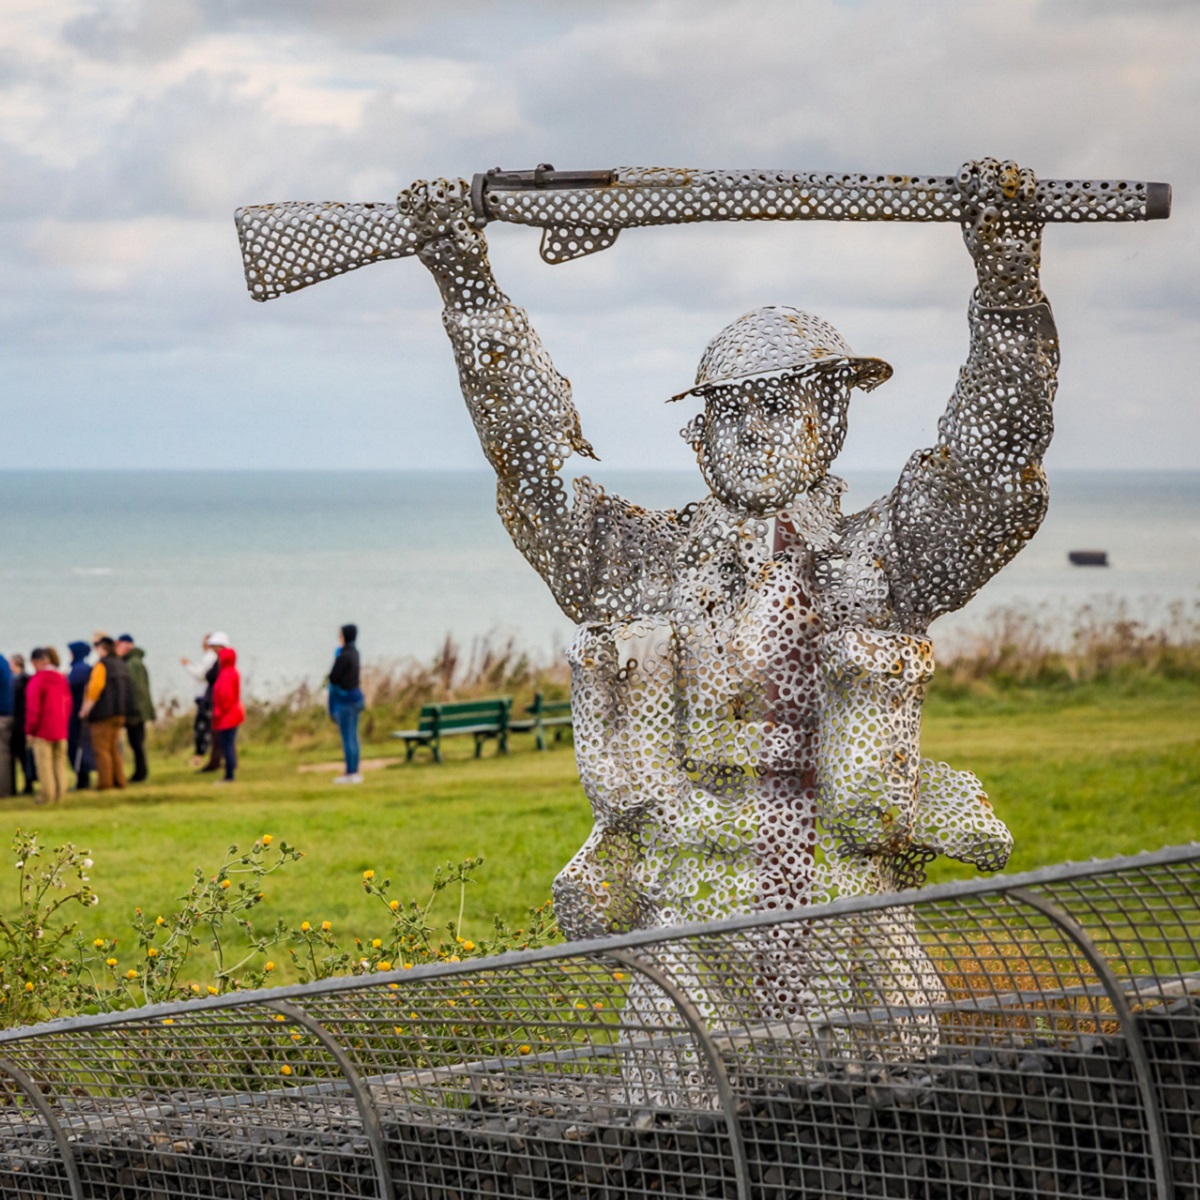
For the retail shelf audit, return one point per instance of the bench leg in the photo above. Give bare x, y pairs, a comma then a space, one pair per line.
410, 748
436, 746
479, 745
540, 735
503, 740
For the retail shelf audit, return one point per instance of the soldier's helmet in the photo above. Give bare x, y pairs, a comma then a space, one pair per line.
779, 342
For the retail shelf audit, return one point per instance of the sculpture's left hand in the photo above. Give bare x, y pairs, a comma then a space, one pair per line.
1003, 231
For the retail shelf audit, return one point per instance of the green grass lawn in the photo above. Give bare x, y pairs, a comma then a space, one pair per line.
1091, 772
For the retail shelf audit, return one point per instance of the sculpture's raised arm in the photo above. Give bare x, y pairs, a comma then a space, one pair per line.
962, 509
521, 406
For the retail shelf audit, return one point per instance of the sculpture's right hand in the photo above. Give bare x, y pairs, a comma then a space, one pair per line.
439, 213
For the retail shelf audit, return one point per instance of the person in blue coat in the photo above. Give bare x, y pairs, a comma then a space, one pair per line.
6, 728
346, 700
79, 739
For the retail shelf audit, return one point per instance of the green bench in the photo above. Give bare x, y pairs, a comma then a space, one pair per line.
543, 715
482, 718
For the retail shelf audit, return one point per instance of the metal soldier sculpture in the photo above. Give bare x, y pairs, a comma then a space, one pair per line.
748, 672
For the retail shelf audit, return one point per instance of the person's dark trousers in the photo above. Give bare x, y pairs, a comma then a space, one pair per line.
81, 757
227, 741
202, 727
347, 723
23, 758
215, 752
135, 731
7, 775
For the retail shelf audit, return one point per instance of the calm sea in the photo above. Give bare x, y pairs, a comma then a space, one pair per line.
280, 559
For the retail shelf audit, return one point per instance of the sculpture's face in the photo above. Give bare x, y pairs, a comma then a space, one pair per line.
763, 442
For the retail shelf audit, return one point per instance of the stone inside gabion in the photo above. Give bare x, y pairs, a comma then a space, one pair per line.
748, 671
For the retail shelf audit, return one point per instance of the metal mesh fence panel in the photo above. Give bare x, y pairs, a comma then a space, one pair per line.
1031, 1035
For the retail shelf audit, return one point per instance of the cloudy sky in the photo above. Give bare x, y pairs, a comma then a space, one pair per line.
131, 129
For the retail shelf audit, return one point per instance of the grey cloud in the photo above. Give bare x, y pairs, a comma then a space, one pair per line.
143, 32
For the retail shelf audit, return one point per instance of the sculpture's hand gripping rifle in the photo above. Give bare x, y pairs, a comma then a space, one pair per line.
289, 246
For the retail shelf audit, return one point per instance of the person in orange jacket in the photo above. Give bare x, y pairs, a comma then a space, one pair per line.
228, 710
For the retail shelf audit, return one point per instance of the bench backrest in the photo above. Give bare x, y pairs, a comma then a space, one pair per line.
541, 707
445, 717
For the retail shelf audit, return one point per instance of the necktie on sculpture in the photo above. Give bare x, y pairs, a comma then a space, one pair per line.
748, 671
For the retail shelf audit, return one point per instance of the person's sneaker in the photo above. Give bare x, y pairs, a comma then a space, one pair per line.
219, 781
355, 778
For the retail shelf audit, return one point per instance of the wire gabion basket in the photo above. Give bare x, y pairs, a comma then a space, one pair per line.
1030, 1035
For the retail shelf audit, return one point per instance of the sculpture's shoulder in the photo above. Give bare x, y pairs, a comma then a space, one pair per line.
633, 553
845, 555
610, 508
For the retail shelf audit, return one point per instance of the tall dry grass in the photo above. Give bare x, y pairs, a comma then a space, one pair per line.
1040, 646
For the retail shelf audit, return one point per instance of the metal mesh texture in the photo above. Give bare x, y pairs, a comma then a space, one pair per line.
1050, 1047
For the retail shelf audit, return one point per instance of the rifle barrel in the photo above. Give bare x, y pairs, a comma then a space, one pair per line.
581, 218
286, 247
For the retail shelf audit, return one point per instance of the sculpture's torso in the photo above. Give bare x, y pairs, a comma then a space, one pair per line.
698, 719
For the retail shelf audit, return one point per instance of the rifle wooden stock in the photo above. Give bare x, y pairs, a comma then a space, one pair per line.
286, 247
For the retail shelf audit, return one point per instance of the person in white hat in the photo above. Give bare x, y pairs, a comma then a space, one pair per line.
204, 673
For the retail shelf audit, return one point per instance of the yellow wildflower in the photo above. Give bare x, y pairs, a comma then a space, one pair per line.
454, 958
383, 966
130, 974
468, 945
394, 905
375, 943
524, 1049
368, 875
98, 943
110, 962
212, 991
267, 839
269, 967
159, 921
304, 926
152, 952
224, 884
326, 926
285, 1069
29, 986
168, 1020
618, 975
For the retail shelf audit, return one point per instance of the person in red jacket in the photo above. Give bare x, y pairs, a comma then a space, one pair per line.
228, 712
47, 717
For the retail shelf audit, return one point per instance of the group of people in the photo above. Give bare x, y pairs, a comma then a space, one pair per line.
53, 723
219, 708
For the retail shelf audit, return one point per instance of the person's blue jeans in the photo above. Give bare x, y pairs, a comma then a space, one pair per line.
346, 717
228, 742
